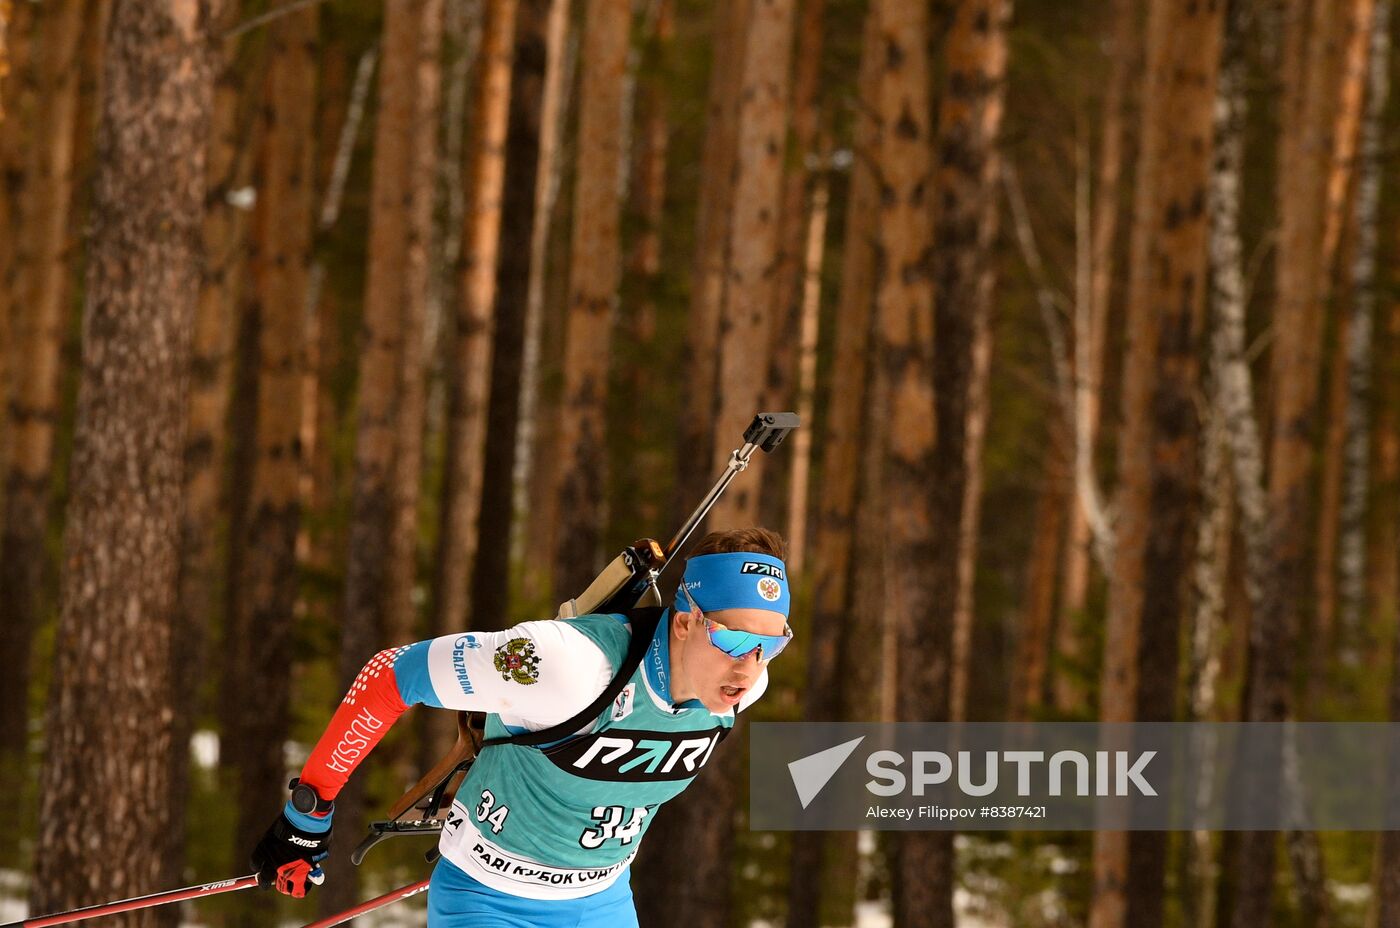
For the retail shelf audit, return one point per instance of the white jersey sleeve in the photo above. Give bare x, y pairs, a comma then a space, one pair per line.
534, 675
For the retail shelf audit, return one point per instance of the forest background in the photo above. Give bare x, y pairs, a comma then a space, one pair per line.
335, 325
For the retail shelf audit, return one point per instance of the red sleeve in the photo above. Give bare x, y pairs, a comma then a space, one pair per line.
365, 714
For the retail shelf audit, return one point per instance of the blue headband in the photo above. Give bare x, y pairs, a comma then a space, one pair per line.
736, 580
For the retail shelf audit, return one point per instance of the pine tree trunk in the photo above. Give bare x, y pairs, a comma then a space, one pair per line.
17, 92
282, 223
1387, 875
789, 288
6, 18
1351, 102
321, 415
223, 293
742, 369
901, 416
1383, 567
753, 244
966, 194
1294, 365
533, 475
473, 321
119, 590
593, 281
401, 622
210, 383
696, 445
490, 603
39, 328
1157, 459
835, 513
379, 386
1125, 49
800, 483
1032, 663
649, 463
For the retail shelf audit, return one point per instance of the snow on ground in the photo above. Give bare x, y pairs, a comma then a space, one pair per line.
12, 887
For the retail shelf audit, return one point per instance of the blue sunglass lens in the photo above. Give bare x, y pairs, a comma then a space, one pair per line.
740, 644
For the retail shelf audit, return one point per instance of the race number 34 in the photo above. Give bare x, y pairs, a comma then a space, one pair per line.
610, 825
485, 814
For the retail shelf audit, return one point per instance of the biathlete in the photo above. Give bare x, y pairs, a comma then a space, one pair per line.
544, 836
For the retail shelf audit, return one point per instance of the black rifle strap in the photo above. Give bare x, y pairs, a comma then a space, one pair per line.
644, 622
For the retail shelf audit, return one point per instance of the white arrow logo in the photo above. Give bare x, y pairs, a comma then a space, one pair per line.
811, 773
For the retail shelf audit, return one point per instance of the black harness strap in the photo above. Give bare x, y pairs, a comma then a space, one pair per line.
644, 621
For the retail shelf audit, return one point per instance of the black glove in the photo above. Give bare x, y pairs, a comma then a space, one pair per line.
287, 857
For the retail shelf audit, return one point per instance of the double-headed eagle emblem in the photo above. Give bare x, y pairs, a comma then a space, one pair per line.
516, 660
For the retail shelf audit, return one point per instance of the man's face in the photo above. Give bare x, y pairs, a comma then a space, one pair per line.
702, 671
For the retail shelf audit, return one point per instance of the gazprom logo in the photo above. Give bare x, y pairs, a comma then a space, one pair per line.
459, 661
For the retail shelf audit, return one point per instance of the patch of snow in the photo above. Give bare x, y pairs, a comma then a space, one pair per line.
204, 749
1350, 893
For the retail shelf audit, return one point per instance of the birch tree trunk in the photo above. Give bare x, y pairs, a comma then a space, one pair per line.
1341, 193
1126, 51
1356, 460
119, 589
38, 330
1158, 440
1210, 574
282, 224
593, 279
1294, 363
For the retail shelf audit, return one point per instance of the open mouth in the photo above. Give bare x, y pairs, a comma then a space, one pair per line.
732, 691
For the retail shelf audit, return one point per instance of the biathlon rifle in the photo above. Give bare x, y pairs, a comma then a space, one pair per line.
628, 582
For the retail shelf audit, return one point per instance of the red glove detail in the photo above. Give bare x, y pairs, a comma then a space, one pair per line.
296, 878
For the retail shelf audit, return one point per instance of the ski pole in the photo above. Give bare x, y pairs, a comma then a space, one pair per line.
378, 902
139, 902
